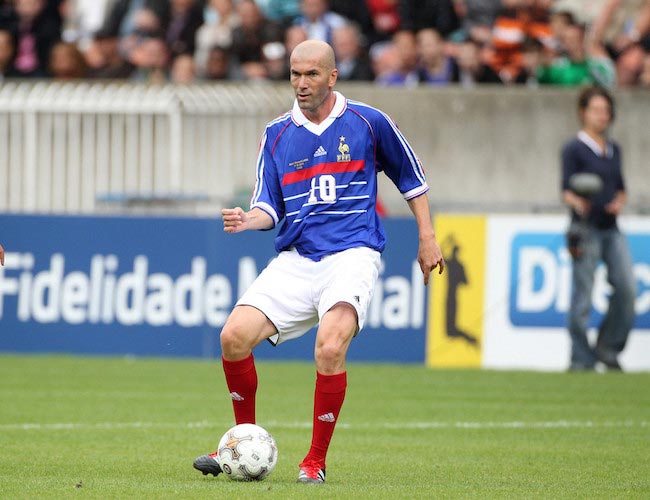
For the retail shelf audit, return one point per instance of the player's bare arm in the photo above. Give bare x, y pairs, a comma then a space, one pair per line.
236, 220
429, 253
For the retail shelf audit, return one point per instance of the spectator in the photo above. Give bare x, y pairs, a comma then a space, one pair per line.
146, 25
293, 36
120, 19
594, 235
150, 59
471, 69
350, 57
577, 67
358, 13
620, 27
318, 20
435, 66
419, 14
384, 59
518, 20
103, 59
274, 60
279, 11
532, 62
36, 34
644, 76
560, 21
252, 34
477, 18
7, 53
185, 19
407, 74
183, 70
82, 19
384, 15
217, 66
216, 31
67, 62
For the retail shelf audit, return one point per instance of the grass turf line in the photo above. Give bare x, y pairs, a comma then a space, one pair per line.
135, 426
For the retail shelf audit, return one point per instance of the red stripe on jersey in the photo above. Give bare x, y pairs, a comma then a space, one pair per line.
323, 168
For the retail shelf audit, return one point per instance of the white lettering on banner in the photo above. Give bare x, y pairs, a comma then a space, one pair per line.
552, 289
642, 273
102, 296
397, 302
532, 260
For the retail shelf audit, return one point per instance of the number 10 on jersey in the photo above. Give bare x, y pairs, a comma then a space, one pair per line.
323, 188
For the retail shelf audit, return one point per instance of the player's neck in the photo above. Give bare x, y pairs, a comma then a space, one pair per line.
323, 111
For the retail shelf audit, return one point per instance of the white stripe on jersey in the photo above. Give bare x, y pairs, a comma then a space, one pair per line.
295, 197
332, 212
414, 193
360, 197
257, 191
268, 209
341, 186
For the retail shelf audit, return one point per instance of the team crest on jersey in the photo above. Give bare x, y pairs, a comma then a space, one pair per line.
344, 149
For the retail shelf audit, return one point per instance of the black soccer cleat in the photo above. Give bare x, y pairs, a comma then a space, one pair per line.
207, 464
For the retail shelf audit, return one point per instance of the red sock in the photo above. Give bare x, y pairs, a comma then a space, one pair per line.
328, 400
241, 379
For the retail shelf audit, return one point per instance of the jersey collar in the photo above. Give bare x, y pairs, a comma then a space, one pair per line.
594, 146
301, 120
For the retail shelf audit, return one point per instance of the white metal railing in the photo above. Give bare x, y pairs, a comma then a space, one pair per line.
90, 147
83, 147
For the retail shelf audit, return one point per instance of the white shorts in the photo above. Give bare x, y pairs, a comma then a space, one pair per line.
294, 292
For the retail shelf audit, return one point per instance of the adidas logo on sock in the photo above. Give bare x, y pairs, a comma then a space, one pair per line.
236, 397
327, 417
320, 151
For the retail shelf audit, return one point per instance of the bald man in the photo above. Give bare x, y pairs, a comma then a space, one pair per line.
317, 178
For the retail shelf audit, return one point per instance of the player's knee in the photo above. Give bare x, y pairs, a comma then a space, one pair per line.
234, 339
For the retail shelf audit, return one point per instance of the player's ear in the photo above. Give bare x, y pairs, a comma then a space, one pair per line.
334, 76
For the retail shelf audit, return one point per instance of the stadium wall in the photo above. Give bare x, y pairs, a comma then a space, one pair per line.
161, 286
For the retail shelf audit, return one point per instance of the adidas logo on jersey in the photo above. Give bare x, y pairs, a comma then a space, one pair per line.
327, 417
236, 397
320, 152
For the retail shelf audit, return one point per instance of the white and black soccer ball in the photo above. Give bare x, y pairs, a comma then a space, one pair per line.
247, 452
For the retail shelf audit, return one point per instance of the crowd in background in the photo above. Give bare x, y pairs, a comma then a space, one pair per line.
391, 42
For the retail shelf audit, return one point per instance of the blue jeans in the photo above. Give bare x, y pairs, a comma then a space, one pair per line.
610, 246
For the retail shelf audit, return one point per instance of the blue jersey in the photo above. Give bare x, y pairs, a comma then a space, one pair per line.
322, 179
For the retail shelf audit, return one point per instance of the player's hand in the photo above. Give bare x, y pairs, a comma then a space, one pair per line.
235, 220
2, 256
430, 257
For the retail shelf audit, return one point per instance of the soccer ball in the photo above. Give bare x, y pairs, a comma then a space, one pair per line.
247, 452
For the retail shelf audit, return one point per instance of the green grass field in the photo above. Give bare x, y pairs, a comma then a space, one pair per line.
124, 428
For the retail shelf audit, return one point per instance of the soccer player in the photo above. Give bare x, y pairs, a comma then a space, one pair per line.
316, 175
